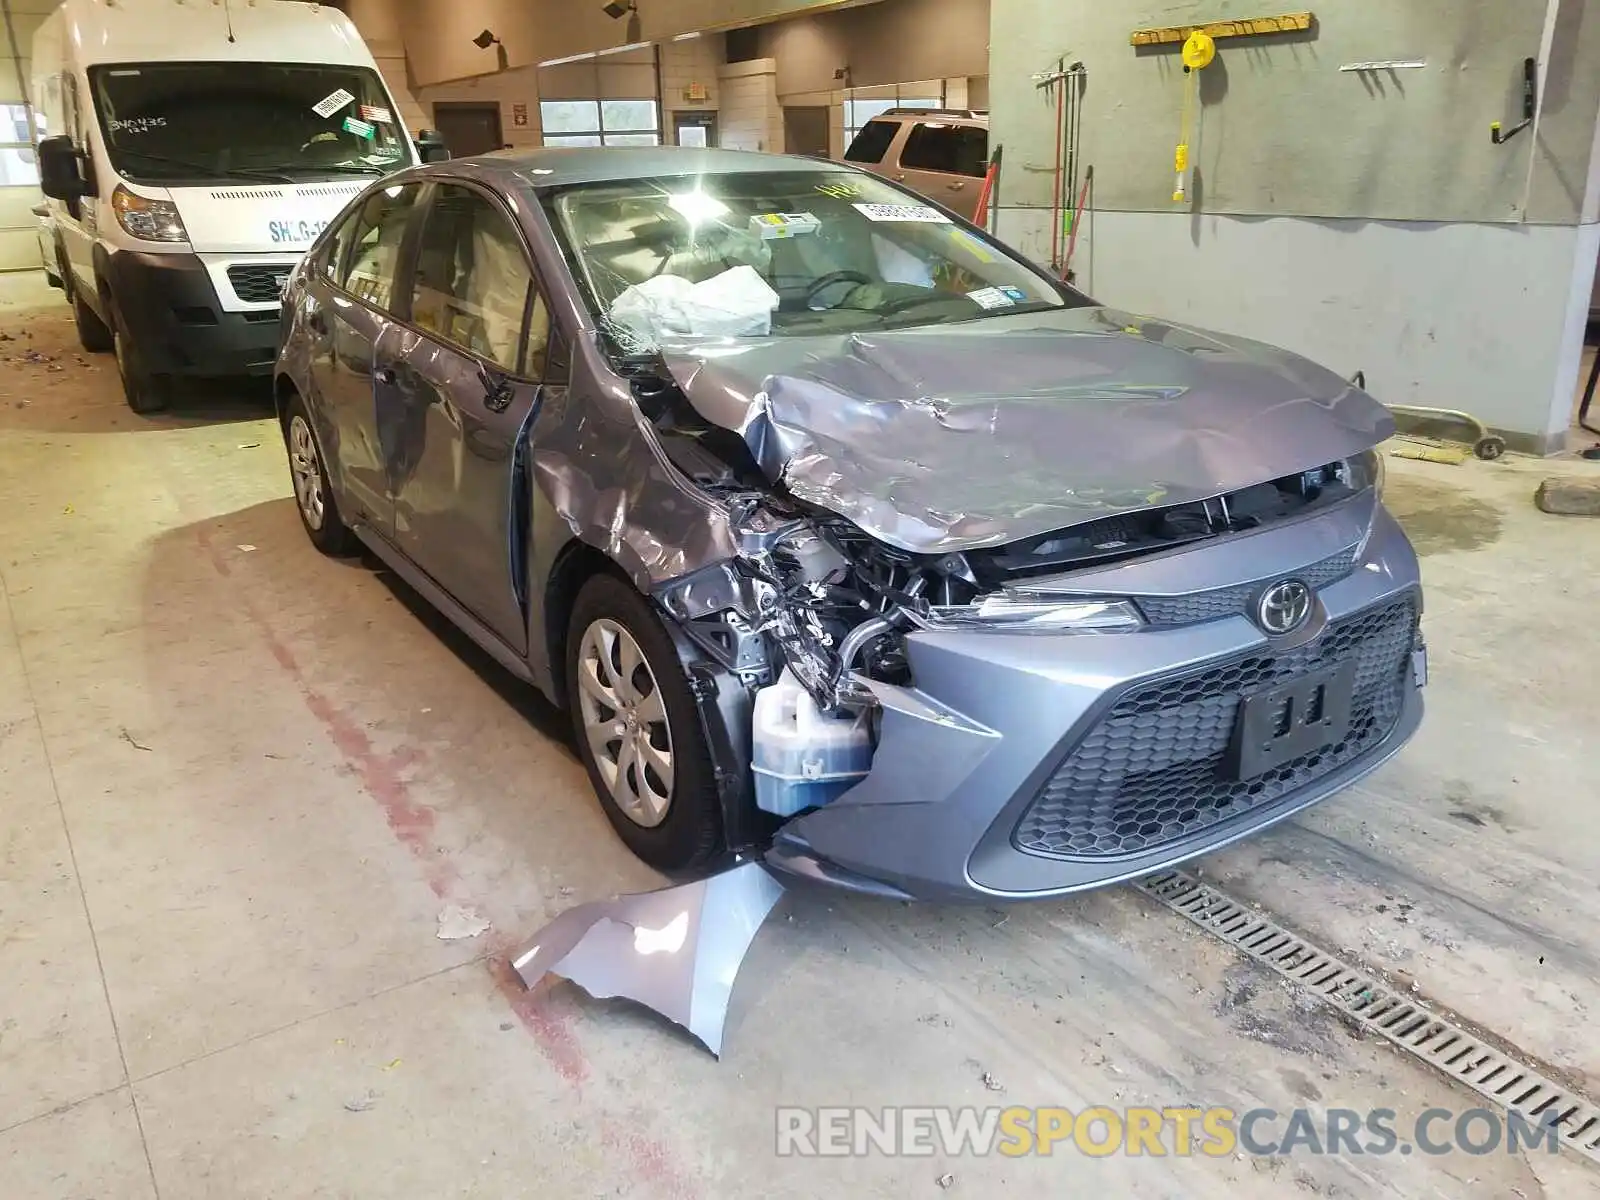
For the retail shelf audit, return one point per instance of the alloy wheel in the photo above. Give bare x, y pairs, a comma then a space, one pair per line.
625, 721
307, 471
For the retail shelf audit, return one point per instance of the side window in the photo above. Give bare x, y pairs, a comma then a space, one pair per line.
972, 151
335, 249
932, 146
367, 268
872, 143
474, 286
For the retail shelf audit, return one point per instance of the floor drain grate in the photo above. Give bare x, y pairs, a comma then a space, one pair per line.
1402, 1018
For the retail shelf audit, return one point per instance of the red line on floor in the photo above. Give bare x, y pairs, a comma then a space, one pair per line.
413, 825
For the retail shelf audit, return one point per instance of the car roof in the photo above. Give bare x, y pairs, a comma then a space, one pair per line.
561, 167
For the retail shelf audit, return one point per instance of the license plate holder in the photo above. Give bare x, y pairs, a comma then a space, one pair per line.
1290, 720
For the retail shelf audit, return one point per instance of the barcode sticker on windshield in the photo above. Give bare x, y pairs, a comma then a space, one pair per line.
331, 104
902, 213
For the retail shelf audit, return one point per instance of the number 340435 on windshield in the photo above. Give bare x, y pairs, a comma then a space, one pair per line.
294, 231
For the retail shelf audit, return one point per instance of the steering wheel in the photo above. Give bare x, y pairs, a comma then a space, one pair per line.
831, 279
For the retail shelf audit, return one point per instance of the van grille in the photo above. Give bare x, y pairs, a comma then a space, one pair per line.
258, 284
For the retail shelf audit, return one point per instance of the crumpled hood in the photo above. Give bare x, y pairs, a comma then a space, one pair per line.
963, 436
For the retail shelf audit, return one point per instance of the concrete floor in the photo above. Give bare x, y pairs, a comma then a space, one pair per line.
239, 781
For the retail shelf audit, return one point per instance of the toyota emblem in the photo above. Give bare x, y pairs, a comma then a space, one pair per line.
1284, 606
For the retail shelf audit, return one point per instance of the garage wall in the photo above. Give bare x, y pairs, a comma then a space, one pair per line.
1365, 219
19, 245
751, 117
438, 36
886, 43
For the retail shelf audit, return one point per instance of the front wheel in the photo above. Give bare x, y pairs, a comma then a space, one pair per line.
637, 728
144, 391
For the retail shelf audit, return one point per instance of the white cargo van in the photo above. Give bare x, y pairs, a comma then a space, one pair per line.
194, 150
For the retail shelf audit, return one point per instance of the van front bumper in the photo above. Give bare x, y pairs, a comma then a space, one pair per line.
171, 309
1024, 767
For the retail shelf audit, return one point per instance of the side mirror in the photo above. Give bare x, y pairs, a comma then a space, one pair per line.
430, 145
60, 171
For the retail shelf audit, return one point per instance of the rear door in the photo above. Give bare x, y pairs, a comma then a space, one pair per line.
944, 161
357, 300
467, 375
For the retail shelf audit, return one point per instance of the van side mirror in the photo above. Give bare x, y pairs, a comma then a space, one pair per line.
60, 170
430, 145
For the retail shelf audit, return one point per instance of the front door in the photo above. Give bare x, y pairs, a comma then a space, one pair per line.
354, 307
465, 382
468, 129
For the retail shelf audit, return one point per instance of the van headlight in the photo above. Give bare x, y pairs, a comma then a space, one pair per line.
146, 219
1033, 612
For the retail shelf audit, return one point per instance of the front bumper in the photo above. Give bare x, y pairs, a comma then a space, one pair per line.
965, 800
172, 310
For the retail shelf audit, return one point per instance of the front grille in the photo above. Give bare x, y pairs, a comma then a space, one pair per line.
1235, 600
258, 285
1152, 769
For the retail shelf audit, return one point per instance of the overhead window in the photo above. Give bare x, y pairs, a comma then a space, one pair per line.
18, 164
600, 122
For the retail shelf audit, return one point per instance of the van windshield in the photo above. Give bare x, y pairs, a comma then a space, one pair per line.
195, 122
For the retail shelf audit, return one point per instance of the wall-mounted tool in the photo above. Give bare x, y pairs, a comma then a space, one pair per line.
1065, 86
1530, 104
1198, 53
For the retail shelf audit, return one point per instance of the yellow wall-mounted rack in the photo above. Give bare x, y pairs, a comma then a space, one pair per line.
1248, 27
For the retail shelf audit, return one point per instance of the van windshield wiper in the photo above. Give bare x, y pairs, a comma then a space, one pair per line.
204, 169
339, 168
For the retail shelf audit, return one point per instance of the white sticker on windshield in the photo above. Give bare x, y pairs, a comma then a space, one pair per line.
135, 124
331, 104
902, 213
990, 298
371, 112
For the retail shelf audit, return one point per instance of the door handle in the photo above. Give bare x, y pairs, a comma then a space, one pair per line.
384, 375
900, 178
958, 185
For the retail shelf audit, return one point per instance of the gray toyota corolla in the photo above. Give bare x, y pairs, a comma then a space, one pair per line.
853, 542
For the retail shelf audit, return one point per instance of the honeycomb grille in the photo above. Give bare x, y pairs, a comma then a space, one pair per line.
1153, 768
1235, 600
257, 285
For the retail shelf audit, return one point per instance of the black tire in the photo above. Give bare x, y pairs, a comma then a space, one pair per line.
93, 333
327, 531
144, 391
690, 834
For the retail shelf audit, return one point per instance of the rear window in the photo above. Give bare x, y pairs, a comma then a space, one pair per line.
950, 149
873, 142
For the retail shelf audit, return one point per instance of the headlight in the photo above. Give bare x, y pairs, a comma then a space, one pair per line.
1366, 470
1022, 612
148, 220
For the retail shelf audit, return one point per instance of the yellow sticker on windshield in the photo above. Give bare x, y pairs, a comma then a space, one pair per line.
971, 245
840, 191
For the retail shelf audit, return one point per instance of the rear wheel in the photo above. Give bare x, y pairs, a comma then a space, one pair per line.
637, 729
144, 391
319, 511
93, 333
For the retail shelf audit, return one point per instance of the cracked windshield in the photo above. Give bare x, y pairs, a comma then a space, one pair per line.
786, 254
176, 123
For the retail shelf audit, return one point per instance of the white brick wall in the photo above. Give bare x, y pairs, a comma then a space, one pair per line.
697, 60
750, 116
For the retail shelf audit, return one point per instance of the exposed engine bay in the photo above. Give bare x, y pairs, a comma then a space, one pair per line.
814, 594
